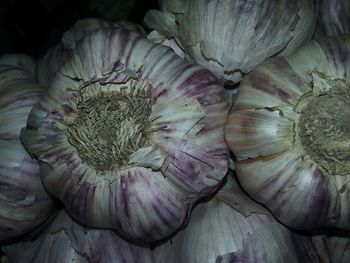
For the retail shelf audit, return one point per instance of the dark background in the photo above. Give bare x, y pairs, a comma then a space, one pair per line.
32, 26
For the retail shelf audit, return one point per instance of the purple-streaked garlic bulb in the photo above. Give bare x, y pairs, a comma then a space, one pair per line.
232, 228
289, 130
129, 135
65, 241
334, 17
24, 203
54, 58
232, 37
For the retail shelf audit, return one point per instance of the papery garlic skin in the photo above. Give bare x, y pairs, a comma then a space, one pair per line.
176, 154
232, 37
54, 58
334, 17
173, 42
232, 228
24, 203
290, 142
65, 241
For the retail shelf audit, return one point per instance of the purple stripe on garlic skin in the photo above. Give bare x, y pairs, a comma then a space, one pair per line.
285, 182
178, 157
230, 227
232, 37
65, 241
281, 162
24, 203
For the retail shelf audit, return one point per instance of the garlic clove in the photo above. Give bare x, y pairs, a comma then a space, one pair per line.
289, 180
135, 190
102, 113
262, 132
274, 85
63, 240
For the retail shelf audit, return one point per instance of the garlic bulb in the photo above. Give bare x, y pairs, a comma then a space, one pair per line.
232, 37
289, 132
129, 135
65, 241
232, 228
24, 204
334, 17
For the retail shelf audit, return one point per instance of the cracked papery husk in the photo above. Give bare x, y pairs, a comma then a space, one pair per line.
230, 227
65, 241
55, 57
333, 17
24, 203
129, 135
289, 131
232, 37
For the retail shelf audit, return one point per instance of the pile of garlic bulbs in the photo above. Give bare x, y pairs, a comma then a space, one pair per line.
217, 131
